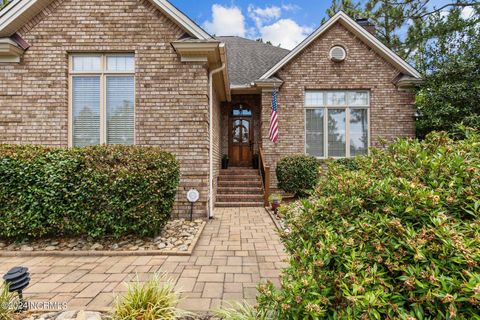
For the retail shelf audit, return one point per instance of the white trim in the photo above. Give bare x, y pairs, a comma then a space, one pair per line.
326, 109
103, 73
211, 212
184, 21
363, 34
17, 8
10, 51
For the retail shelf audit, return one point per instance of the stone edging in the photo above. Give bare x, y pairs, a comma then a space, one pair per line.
275, 221
93, 253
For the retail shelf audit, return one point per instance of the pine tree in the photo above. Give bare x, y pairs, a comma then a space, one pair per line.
353, 9
405, 26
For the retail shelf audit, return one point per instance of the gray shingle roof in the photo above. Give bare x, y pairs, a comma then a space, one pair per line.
248, 60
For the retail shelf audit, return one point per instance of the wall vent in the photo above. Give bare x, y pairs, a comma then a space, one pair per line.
337, 54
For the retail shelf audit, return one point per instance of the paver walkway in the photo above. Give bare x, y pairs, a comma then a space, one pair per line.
236, 250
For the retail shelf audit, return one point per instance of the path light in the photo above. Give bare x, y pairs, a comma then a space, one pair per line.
18, 280
192, 196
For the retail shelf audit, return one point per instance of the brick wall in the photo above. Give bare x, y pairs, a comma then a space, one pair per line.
391, 112
171, 97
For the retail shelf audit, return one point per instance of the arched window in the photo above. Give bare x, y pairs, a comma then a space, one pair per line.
241, 111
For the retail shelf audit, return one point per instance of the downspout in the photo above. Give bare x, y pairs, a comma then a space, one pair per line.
210, 111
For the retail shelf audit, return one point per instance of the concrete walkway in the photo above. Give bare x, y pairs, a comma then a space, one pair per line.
236, 250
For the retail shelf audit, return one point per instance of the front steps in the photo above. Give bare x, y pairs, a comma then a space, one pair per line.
239, 187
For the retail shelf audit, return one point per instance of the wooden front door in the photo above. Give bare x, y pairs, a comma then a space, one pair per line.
241, 137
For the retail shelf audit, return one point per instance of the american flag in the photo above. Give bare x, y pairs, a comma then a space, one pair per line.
274, 118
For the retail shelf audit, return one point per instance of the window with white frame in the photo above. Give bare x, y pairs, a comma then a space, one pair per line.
336, 123
102, 99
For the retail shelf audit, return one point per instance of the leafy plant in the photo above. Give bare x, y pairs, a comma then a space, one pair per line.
275, 197
450, 92
101, 190
297, 174
8, 302
225, 157
348, 163
241, 311
397, 238
152, 300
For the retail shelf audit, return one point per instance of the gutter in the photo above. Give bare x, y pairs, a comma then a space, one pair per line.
211, 215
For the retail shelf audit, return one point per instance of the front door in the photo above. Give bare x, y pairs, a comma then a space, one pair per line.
241, 137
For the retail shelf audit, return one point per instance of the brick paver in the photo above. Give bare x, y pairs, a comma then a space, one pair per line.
237, 249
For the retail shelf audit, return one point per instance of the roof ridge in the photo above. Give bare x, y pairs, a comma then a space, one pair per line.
253, 41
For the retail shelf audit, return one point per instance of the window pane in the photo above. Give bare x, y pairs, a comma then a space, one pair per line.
358, 98
313, 99
241, 111
237, 131
358, 132
121, 63
336, 133
315, 132
86, 111
120, 110
87, 63
336, 98
245, 131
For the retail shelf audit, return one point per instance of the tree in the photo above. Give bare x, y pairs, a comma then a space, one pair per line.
3, 3
392, 18
401, 25
450, 62
354, 10
263, 41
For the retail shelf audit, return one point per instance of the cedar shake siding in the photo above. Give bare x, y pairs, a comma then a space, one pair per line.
391, 110
171, 97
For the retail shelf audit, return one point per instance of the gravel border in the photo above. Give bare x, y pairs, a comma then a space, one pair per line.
276, 220
103, 253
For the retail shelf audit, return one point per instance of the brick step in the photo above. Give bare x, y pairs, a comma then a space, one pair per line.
239, 198
239, 171
239, 184
236, 177
240, 190
238, 204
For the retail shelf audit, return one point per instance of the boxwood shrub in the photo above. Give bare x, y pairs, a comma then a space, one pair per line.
297, 174
396, 238
95, 191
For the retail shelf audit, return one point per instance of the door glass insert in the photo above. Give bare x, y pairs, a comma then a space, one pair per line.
241, 131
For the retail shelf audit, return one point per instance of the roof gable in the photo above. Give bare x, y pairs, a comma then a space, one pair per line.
19, 12
361, 33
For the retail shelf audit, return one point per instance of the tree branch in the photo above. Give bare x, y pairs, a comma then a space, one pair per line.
456, 4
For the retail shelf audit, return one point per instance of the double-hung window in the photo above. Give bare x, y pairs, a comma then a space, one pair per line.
337, 123
102, 99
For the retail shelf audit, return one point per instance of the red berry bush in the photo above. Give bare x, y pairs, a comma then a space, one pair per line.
396, 236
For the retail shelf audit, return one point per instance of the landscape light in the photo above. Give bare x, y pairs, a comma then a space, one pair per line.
18, 280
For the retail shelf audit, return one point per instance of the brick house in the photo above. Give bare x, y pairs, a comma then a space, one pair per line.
76, 73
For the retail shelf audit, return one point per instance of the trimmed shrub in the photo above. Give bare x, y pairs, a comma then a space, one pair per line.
398, 238
297, 174
100, 190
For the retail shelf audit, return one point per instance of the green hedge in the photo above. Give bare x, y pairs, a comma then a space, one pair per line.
95, 191
396, 238
297, 174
